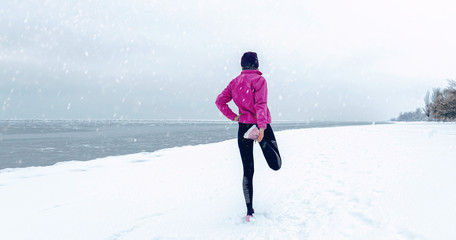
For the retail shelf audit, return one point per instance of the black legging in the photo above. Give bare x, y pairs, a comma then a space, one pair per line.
270, 152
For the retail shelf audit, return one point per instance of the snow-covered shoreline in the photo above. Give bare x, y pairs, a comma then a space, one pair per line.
361, 182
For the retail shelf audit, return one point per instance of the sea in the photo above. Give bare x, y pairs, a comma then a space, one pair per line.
26, 143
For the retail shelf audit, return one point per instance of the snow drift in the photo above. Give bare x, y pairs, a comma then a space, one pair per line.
364, 182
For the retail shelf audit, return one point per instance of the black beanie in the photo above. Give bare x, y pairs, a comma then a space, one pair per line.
249, 60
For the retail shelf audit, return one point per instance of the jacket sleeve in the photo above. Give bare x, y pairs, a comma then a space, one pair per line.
261, 102
222, 100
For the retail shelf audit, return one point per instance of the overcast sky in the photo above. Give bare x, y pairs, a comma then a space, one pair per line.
323, 60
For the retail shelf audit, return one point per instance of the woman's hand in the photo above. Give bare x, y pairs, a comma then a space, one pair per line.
260, 137
236, 119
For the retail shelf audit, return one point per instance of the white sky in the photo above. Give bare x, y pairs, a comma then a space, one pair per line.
323, 60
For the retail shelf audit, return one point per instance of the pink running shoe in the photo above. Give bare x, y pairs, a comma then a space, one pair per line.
252, 133
247, 218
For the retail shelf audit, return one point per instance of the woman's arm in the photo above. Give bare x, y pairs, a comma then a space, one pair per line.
221, 102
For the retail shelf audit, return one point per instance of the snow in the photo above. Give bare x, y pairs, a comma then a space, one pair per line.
390, 181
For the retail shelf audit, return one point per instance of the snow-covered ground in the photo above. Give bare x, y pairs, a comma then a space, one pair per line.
364, 182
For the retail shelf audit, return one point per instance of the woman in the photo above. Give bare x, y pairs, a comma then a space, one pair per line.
249, 92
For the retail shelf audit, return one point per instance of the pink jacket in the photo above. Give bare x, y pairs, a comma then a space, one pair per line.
249, 92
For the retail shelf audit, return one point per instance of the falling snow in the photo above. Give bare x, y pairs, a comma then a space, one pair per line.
109, 54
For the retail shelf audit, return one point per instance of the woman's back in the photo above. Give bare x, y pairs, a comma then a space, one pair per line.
249, 93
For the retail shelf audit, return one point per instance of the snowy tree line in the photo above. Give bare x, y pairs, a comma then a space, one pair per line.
440, 105
417, 115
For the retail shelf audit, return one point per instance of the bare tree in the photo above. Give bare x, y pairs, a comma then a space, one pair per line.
438, 106
449, 101
427, 104
436, 99
442, 104
452, 84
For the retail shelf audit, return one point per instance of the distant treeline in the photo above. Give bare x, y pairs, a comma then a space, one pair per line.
440, 105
